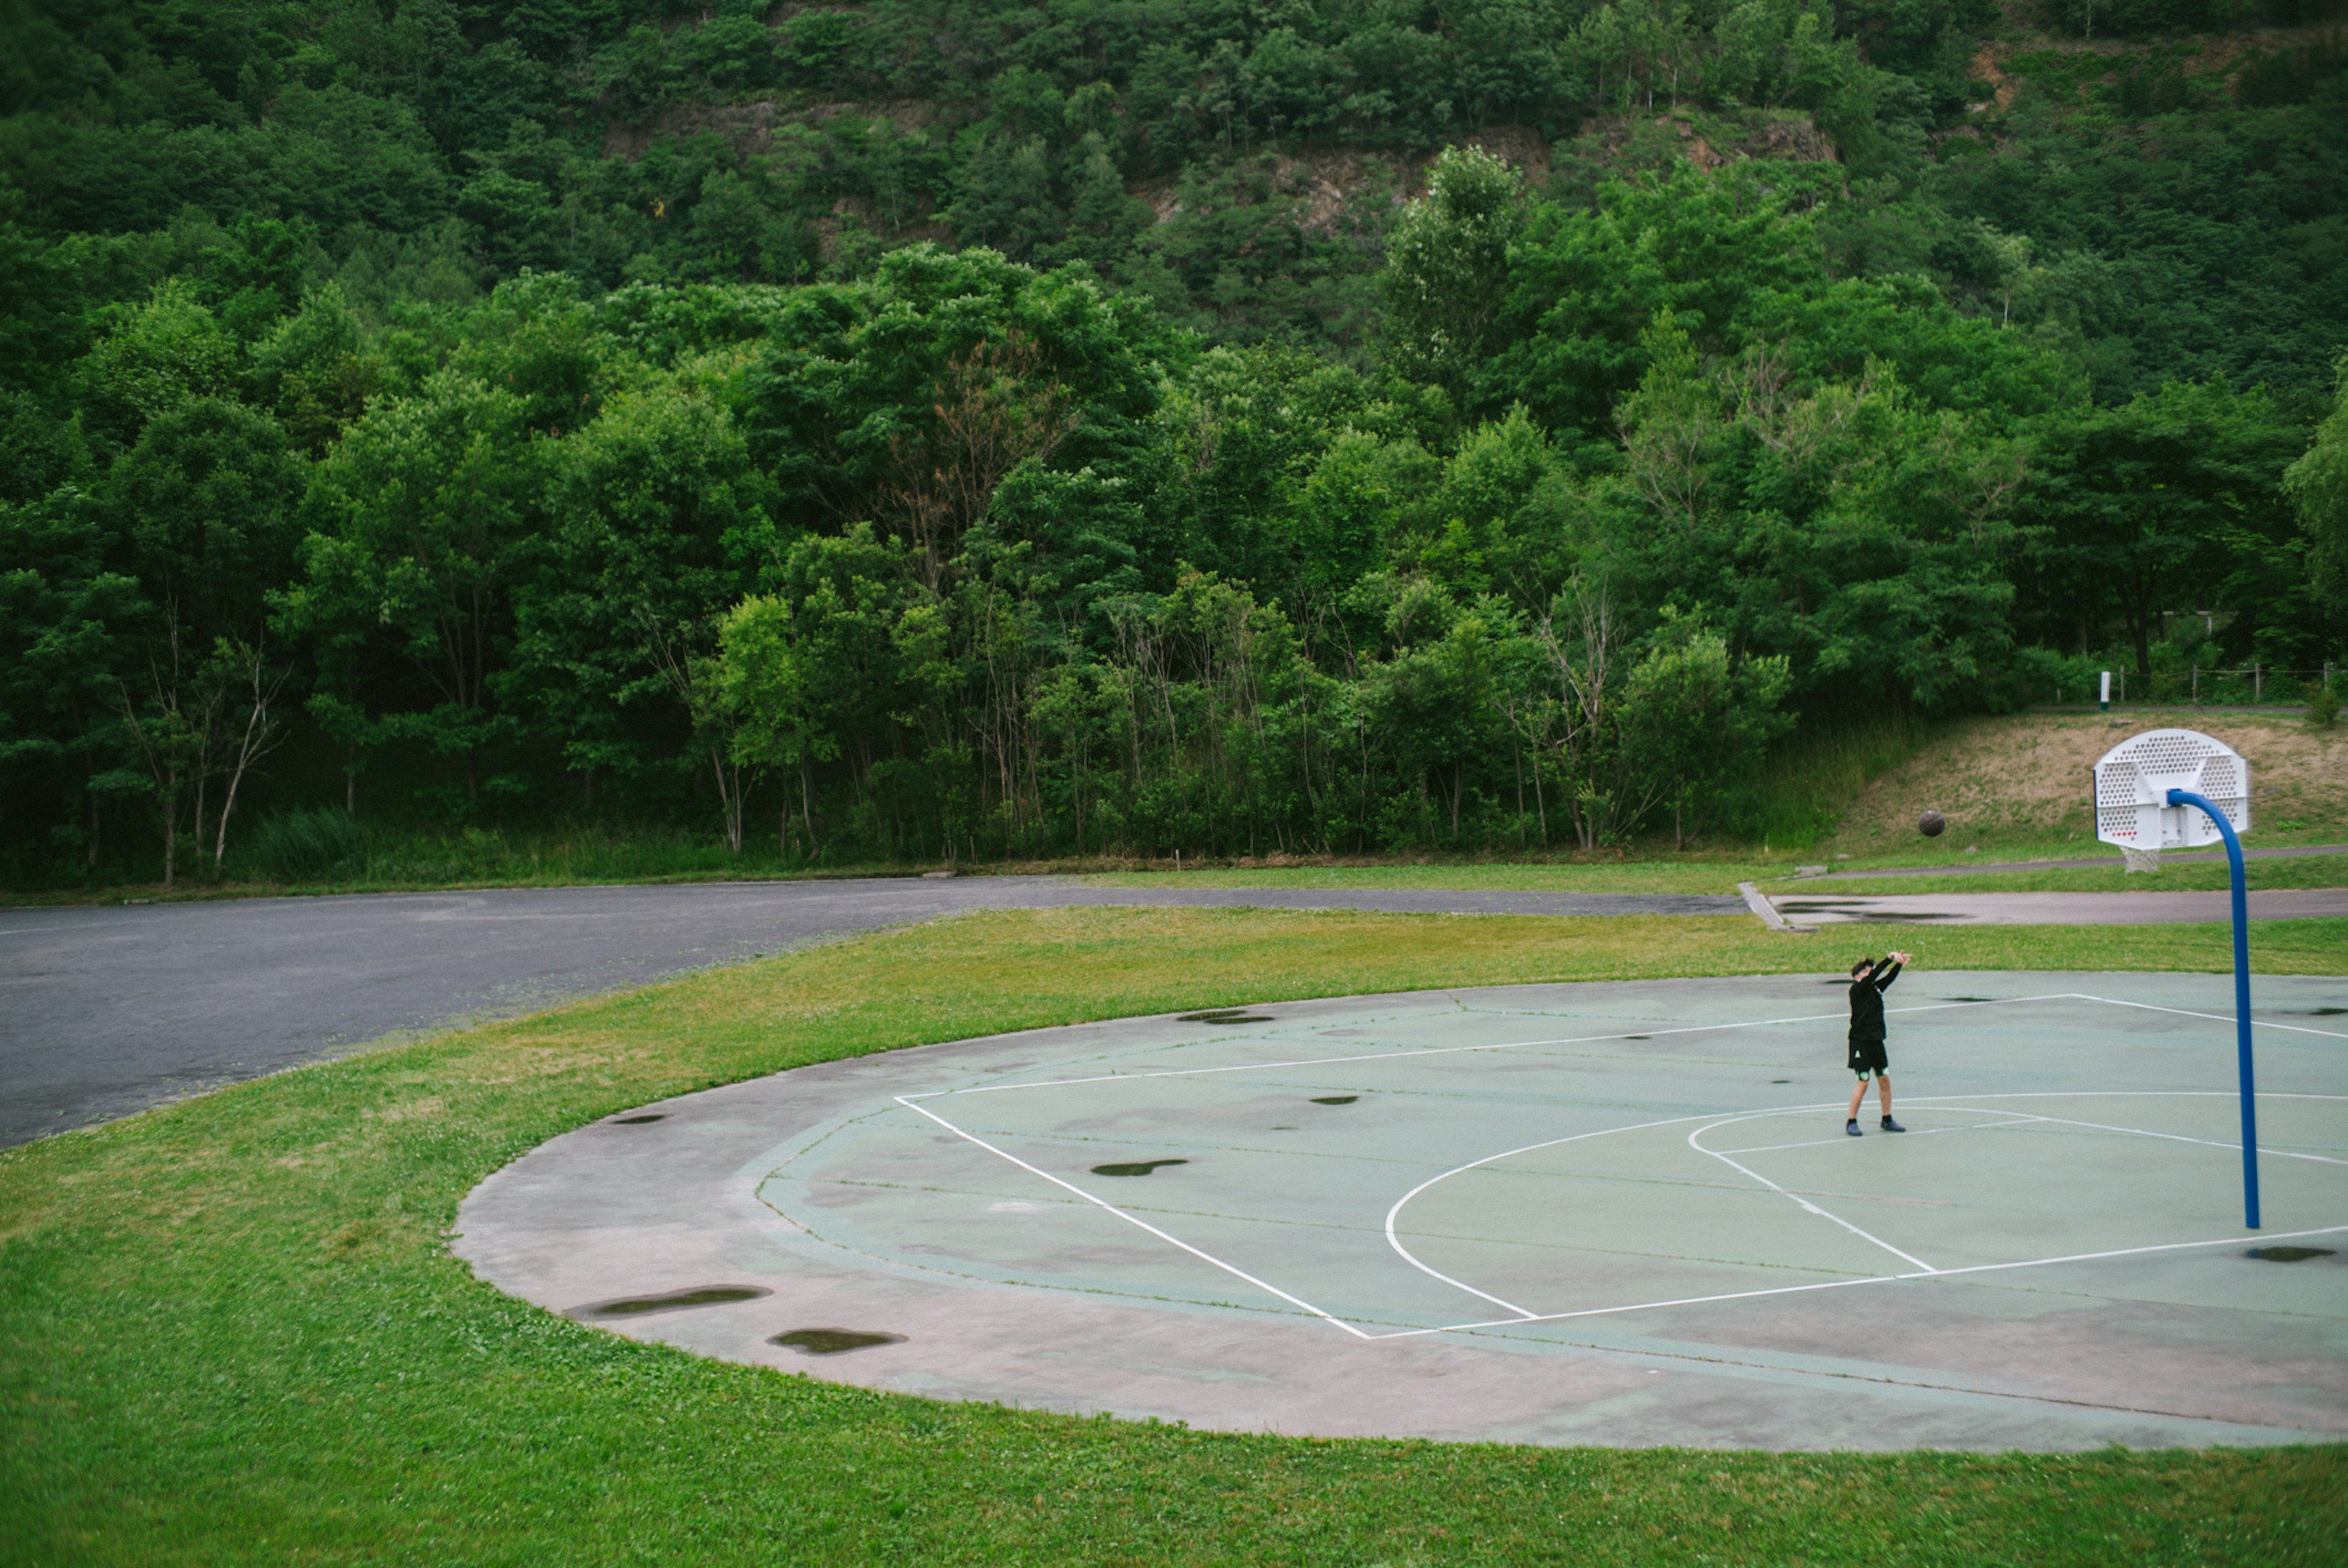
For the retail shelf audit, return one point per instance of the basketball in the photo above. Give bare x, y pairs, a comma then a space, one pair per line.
1930, 824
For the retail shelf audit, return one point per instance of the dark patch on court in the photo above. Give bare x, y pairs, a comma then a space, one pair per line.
832, 1341
1135, 1168
673, 1301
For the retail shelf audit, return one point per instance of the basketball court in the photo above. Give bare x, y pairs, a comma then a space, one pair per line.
1618, 1213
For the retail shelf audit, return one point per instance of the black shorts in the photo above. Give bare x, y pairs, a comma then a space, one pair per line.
1867, 1058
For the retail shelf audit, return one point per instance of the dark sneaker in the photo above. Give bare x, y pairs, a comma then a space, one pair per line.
1851, 1127
1891, 1126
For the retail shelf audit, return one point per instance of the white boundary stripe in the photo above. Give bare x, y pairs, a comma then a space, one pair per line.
2216, 1017
1144, 1224
1941, 1101
908, 1101
1870, 1279
2171, 1137
1916, 1133
1806, 1206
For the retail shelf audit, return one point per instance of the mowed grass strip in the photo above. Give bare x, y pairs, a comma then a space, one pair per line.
229, 1331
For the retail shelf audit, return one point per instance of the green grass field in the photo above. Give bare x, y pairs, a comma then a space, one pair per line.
229, 1331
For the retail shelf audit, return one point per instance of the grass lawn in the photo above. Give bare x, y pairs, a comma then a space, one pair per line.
229, 1331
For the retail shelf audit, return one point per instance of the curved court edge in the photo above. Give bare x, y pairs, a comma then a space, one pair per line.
1613, 1213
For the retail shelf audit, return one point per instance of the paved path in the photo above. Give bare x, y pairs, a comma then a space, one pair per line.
107, 1011
2100, 862
2060, 908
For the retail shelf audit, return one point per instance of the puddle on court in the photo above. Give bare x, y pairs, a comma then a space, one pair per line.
1135, 1168
1336, 1098
832, 1341
1226, 1015
639, 1121
2286, 1253
671, 1301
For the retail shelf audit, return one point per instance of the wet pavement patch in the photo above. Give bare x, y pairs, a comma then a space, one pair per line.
672, 1301
1135, 1168
639, 1121
1336, 1100
1226, 1015
2286, 1253
832, 1341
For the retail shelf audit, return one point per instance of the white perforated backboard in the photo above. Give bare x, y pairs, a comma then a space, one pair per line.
2134, 778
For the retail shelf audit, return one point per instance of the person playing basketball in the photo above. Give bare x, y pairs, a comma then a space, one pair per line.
1870, 977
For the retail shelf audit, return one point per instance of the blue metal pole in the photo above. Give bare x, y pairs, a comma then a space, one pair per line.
2241, 998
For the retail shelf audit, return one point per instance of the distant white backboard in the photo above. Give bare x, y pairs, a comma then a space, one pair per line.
2134, 778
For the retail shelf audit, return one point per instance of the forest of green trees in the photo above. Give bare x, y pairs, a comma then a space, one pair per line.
925, 429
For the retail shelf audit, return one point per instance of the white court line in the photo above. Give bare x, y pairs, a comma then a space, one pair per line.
2172, 1137
908, 1101
1394, 1240
1456, 1050
1870, 1279
2216, 1017
1913, 1133
1144, 1224
1807, 1206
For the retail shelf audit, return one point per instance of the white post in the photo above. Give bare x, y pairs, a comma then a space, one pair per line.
2106, 698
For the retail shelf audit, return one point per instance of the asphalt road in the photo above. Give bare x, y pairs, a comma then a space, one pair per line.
110, 1010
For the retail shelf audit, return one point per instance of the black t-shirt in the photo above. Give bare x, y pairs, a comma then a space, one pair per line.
1866, 1001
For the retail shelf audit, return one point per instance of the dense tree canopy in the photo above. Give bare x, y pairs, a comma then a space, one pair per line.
956, 429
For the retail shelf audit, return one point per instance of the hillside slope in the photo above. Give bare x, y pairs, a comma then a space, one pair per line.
2024, 778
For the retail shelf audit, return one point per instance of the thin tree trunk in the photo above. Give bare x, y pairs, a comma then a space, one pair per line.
806, 807
1539, 805
256, 743
171, 825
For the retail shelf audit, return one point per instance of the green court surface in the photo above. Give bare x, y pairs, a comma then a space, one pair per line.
1599, 1212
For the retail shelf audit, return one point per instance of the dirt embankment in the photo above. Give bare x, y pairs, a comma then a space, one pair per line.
2026, 776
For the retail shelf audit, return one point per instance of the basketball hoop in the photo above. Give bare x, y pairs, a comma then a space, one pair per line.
2131, 793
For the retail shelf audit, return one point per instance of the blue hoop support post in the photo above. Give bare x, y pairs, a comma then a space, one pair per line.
2241, 997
